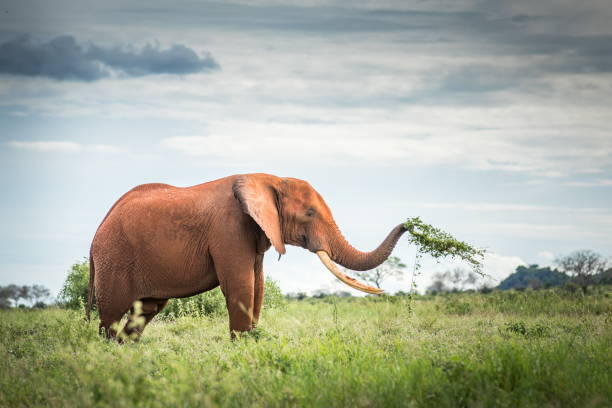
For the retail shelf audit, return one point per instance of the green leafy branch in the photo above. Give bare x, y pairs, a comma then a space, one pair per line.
438, 244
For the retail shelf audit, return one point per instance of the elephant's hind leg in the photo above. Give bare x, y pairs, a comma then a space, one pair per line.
109, 315
114, 271
112, 308
138, 319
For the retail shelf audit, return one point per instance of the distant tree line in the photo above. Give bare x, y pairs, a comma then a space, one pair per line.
72, 295
578, 270
24, 296
317, 294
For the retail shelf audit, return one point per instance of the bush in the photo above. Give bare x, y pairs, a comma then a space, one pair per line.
273, 297
456, 306
74, 292
571, 287
523, 329
212, 303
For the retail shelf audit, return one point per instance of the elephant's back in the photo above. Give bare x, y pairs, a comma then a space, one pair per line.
145, 201
140, 188
148, 220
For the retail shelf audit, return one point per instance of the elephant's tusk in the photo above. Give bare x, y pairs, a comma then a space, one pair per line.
353, 283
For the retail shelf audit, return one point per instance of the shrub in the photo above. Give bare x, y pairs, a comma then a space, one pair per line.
273, 298
571, 287
74, 292
455, 306
523, 329
212, 303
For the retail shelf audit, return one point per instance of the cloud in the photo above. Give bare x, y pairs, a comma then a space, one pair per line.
499, 267
596, 183
524, 230
63, 146
64, 59
510, 207
480, 78
321, 144
547, 258
399, 143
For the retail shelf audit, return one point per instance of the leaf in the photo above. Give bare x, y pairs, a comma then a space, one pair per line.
439, 244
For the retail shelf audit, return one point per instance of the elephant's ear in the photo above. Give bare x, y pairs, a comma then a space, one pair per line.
258, 198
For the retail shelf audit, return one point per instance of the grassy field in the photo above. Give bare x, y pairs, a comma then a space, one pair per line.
505, 349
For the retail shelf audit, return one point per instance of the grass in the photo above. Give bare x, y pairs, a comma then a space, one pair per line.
532, 349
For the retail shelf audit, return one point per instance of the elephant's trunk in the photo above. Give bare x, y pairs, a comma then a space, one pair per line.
343, 253
349, 257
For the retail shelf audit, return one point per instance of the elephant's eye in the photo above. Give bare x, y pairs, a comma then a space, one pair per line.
310, 212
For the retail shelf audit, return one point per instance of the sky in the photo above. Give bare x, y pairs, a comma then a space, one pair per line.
488, 119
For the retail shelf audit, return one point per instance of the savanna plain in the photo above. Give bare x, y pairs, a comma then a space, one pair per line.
500, 349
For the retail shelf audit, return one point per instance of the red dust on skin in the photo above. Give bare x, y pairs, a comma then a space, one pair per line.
159, 242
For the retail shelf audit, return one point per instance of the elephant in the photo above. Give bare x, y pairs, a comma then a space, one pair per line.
160, 241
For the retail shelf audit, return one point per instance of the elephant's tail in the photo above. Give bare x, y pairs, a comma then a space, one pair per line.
90, 289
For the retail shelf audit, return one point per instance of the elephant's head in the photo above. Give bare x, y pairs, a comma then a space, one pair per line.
290, 211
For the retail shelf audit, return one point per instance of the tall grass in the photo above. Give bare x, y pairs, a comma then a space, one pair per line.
522, 349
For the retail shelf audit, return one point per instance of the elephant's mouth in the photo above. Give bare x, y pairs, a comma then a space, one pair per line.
353, 283
303, 239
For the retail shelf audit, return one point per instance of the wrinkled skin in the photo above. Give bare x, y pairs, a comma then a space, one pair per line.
159, 242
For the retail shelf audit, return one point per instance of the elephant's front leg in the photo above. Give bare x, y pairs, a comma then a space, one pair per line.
239, 290
259, 288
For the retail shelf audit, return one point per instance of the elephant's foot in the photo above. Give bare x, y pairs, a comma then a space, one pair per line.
141, 314
108, 330
240, 318
237, 334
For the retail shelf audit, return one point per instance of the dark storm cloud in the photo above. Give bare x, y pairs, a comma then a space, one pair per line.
63, 58
474, 31
576, 54
503, 47
553, 54
323, 19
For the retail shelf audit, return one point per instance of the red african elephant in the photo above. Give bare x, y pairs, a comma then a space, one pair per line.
159, 242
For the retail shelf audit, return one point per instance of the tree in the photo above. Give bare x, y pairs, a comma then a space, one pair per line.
534, 277
296, 296
583, 265
39, 295
30, 296
438, 285
8, 296
74, 292
604, 278
456, 280
321, 293
460, 278
24, 293
392, 267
